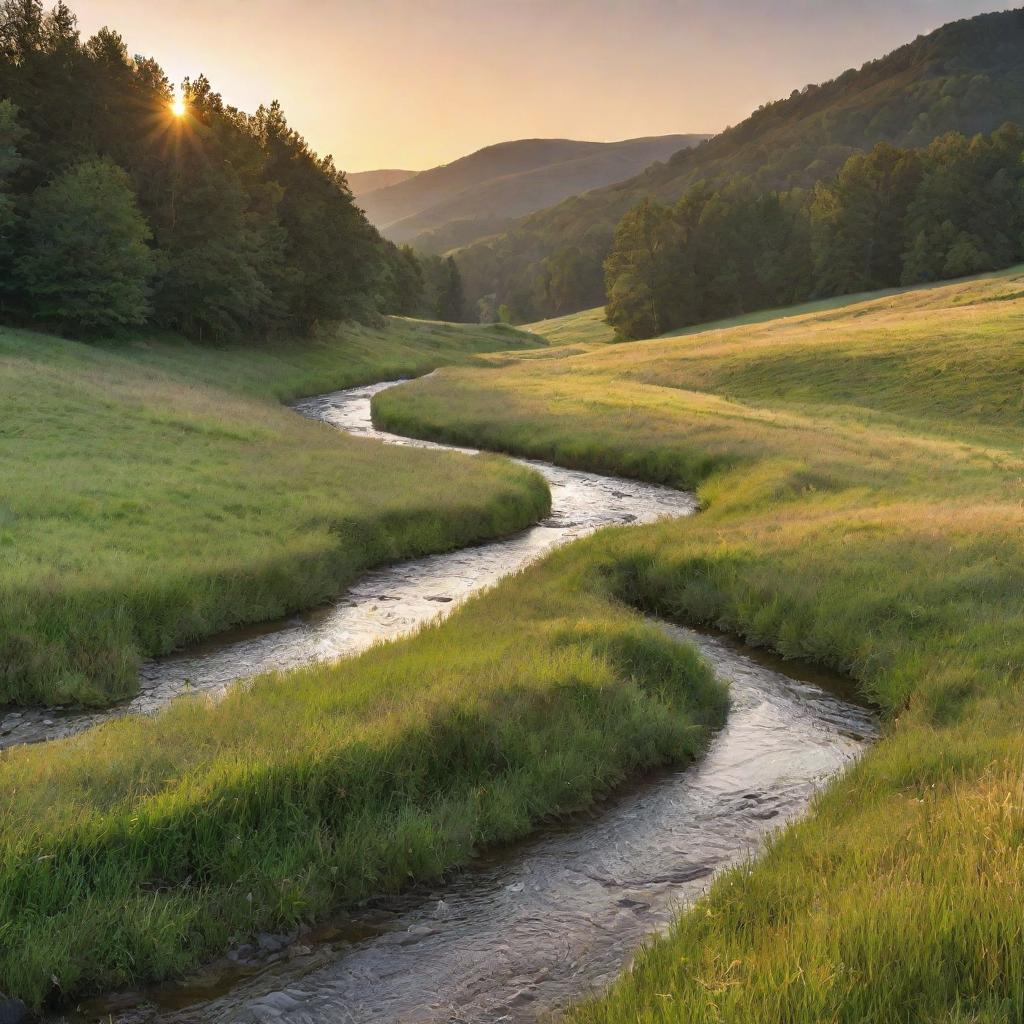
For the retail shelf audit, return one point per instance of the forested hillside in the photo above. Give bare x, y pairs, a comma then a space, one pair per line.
967, 77
122, 204
891, 217
482, 193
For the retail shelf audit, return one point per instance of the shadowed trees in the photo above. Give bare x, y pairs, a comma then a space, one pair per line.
251, 232
889, 217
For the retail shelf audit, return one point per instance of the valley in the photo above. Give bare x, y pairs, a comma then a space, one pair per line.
578, 581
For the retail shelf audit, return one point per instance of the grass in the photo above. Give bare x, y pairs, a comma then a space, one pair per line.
861, 469
155, 493
135, 850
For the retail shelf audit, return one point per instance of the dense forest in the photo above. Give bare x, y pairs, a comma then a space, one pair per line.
123, 203
966, 77
890, 217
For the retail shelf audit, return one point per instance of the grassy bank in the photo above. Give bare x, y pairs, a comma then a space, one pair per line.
861, 469
157, 492
135, 850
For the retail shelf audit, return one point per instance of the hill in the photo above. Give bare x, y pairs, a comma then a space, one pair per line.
860, 475
967, 76
363, 182
482, 192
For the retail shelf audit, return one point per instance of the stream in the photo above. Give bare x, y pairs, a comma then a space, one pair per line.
526, 929
384, 604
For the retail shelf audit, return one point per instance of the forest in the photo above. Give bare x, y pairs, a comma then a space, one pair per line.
890, 217
124, 203
964, 77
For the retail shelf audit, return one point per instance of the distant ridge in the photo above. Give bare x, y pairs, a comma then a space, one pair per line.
363, 182
472, 197
967, 76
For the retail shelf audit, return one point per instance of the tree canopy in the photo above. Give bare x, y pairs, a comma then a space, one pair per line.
248, 230
889, 217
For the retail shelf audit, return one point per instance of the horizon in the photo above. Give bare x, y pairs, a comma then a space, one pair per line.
317, 60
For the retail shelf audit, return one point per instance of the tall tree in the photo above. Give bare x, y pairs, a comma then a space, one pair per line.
450, 301
648, 271
859, 220
10, 162
86, 268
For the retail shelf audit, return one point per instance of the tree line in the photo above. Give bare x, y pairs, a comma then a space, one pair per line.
965, 77
889, 217
118, 209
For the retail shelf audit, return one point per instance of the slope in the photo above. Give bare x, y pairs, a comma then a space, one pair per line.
484, 184
967, 76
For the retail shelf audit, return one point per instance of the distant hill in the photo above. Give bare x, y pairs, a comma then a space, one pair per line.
967, 76
481, 193
363, 182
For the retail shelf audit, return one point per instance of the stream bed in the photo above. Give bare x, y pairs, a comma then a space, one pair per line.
529, 928
385, 603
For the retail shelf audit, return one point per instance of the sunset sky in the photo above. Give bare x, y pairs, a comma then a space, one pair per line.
413, 83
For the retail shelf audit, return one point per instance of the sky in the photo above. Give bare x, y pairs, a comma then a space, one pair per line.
415, 83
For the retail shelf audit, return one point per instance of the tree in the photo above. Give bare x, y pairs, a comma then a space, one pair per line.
10, 162
86, 268
217, 229
403, 287
450, 303
647, 272
859, 219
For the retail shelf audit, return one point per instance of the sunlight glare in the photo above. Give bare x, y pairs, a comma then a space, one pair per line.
178, 107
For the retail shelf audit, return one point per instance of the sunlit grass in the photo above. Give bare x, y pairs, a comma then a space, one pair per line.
862, 473
154, 493
131, 852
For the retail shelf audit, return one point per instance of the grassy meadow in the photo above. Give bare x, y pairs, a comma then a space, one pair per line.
861, 468
153, 493
135, 850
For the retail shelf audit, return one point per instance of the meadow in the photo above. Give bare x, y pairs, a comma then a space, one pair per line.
155, 492
136, 850
861, 469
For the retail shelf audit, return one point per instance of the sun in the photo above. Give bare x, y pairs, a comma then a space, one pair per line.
178, 106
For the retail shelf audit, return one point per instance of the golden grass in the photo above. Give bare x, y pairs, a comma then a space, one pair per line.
862, 472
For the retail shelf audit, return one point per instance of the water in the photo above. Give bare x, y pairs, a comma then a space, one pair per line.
530, 928
384, 604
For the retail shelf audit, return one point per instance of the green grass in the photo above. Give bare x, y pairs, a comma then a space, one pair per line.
154, 493
135, 850
862, 474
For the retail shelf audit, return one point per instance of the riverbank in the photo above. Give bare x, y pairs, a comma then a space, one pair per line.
148, 844
860, 470
156, 492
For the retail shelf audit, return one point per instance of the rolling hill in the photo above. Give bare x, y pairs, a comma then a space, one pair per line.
479, 194
363, 183
967, 76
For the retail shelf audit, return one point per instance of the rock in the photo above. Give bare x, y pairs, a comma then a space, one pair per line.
270, 943
12, 1011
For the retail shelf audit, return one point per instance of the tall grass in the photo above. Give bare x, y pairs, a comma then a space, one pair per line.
154, 493
861, 471
131, 852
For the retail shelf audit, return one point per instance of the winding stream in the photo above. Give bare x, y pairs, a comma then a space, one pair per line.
385, 603
530, 928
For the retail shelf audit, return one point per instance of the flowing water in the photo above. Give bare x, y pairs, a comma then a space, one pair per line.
385, 603
528, 929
